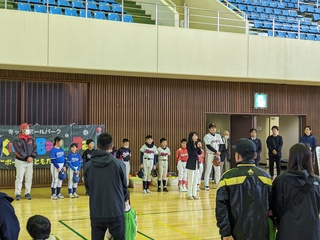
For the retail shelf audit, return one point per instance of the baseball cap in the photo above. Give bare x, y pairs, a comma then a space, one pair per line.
212, 125
244, 145
62, 175
24, 125
75, 178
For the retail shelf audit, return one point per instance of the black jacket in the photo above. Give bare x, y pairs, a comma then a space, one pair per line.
225, 150
9, 224
193, 154
275, 143
302, 220
25, 148
106, 183
242, 202
258, 144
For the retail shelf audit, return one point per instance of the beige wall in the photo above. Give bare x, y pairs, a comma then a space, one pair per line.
70, 44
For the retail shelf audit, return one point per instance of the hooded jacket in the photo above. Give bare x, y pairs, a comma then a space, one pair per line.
242, 202
25, 146
302, 221
9, 224
106, 184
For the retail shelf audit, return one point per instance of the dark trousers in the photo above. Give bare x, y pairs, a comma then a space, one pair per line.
273, 159
116, 229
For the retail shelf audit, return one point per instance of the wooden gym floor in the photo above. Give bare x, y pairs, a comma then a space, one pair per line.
160, 215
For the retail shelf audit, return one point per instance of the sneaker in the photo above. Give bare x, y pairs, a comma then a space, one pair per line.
198, 189
75, 195
144, 191
190, 198
165, 189
28, 196
71, 195
54, 197
181, 189
18, 197
159, 190
185, 189
207, 188
60, 196
196, 198
148, 191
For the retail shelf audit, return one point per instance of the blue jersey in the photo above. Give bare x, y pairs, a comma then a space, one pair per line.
74, 161
124, 154
57, 156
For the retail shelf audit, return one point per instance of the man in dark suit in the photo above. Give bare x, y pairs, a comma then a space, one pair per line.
225, 152
257, 142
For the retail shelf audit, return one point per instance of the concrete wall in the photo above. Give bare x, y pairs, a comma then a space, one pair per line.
70, 44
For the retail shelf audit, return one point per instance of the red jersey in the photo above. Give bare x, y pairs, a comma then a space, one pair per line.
201, 156
182, 154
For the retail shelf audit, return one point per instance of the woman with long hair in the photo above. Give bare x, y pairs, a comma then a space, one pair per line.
296, 197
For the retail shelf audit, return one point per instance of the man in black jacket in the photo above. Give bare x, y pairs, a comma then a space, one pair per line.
9, 224
242, 201
106, 184
257, 142
274, 145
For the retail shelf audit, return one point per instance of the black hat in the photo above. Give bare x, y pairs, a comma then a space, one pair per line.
212, 125
244, 145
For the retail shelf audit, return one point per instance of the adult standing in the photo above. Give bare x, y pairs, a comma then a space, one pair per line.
194, 150
242, 201
296, 197
25, 149
274, 144
257, 142
225, 152
106, 184
212, 141
9, 223
309, 139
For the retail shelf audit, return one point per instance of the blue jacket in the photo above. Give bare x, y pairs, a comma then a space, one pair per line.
9, 224
310, 140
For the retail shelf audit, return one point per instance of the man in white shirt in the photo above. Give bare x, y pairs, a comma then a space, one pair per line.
212, 141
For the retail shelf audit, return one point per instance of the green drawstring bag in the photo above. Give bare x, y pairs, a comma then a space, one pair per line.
272, 230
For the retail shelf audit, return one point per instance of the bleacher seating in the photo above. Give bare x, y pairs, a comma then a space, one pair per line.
98, 9
285, 19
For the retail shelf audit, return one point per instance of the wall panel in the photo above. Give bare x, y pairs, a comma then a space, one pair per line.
133, 107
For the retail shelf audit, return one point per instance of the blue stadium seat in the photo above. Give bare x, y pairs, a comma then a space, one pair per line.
127, 18
70, 12
35, 1
282, 34
270, 33
282, 19
104, 7
295, 27
269, 10
257, 24
92, 5
293, 13
255, 2
265, 4
240, 7
63, 3
51, 2
55, 10
264, 17
260, 9
317, 10
117, 8
310, 37
281, 5
99, 15
287, 26
40, 8
110, 1
292, 35
267, 24
77, 4
277, 11
291, 20
303, 36
24, 7
314, 29
273, 4
316, 17
83, 13
285, 12
310, 9
318, 37
278, 25
113, 17
253, 16
248, 2
239, 1
251, 8
303, 8
304, 28
271, 17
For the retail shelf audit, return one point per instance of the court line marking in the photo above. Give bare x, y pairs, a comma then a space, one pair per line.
74, 231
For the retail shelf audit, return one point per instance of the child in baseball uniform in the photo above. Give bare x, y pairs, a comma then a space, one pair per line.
148, 159
181, 159
58, 164
200, 159
124, 154
74, 166
163, 154
212, 141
